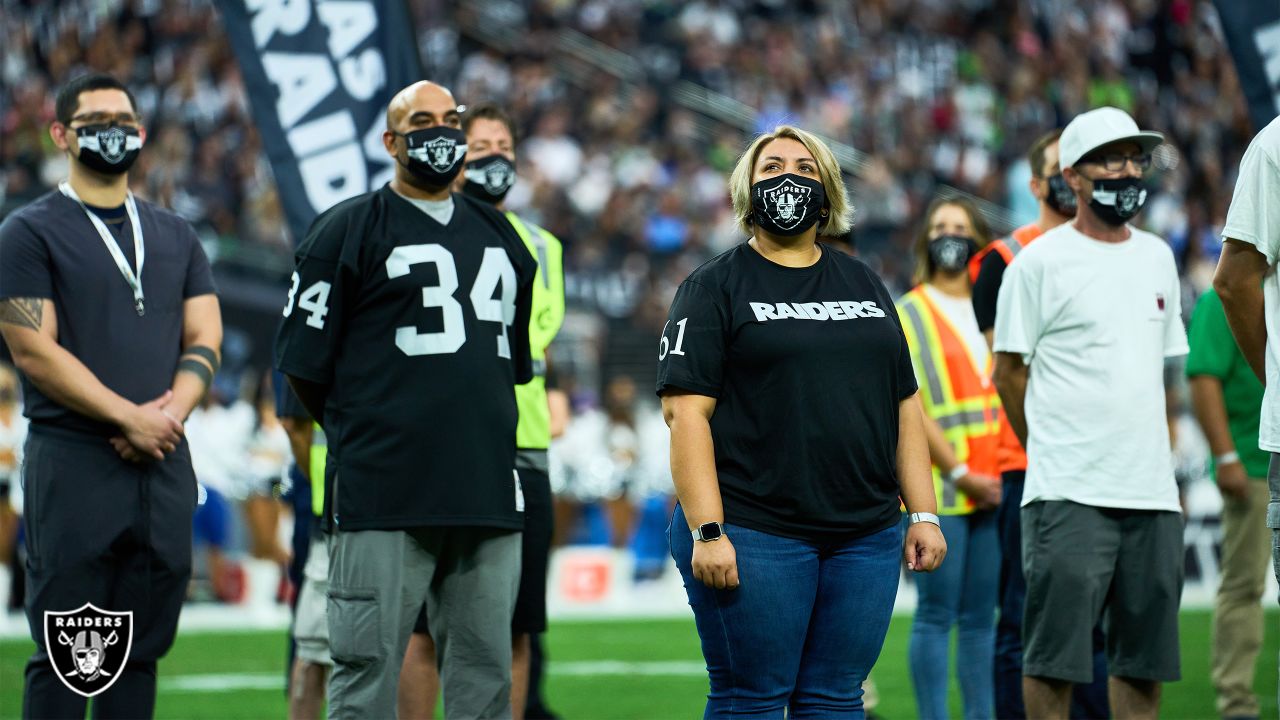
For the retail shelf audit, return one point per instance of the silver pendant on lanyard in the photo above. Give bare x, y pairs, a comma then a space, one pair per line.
132, 278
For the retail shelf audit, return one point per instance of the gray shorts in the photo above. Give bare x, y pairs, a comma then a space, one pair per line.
1083, 562
311, 620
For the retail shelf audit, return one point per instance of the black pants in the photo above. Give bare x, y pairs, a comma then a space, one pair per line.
116, 534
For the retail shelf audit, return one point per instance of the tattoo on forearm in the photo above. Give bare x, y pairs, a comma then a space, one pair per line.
197, 368
24, 312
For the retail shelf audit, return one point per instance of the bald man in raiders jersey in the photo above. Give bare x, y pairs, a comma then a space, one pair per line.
405, 332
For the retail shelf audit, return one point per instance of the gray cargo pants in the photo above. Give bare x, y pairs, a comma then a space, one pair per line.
1273, 511
378, 582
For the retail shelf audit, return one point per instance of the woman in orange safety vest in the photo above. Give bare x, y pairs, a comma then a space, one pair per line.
953, 367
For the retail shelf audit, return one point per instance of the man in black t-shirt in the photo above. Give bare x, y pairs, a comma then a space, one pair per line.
112, 361
405, 330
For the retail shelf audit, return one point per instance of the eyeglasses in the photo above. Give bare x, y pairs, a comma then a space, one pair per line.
102, 118
1115, 162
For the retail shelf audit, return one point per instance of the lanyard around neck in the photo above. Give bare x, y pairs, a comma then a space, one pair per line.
134, 279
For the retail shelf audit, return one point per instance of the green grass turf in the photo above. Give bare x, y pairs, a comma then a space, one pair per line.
591, 697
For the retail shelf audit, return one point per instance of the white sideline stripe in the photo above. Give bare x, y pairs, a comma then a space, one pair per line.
231, 682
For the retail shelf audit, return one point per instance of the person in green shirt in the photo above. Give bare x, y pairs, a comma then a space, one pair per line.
1227, 397
489, 174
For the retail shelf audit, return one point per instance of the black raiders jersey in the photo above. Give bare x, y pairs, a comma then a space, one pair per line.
808, 366
420, 331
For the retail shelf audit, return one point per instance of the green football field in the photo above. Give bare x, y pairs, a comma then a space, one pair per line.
604, 669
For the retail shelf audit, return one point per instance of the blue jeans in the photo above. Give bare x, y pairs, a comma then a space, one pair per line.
1087, 701
803, 628
962, 592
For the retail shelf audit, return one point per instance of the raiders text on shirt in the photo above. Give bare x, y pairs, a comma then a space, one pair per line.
84, 622
828, 310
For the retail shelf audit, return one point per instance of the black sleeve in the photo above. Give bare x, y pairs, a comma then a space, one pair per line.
24, 262
287, 403
986, 289
199, 275
906, 375
692, 348
521, 355
313, 322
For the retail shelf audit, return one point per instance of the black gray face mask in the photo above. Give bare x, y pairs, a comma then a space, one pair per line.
1117, 200
108, 149
1060, 197
951, 253
489, 178
435, 154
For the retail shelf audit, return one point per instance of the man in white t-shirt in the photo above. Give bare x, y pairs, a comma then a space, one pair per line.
1247, 282
1085, 319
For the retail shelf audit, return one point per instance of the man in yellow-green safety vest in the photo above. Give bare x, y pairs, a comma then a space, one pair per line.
489, 174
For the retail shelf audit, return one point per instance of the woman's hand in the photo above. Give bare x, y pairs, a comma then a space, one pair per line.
924, 547
715, 563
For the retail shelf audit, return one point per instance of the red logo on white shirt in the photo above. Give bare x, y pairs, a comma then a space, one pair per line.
1160, 301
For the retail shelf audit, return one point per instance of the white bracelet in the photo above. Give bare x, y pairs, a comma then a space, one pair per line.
914, 518
1226, 458
958, 472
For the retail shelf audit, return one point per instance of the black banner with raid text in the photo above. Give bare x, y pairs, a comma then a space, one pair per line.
1252, 30
319, 75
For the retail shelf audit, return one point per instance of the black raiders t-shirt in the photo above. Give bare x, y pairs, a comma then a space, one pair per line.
807, 366
50, 249
420, 330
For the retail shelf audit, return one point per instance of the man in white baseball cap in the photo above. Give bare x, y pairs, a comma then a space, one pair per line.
1085, 319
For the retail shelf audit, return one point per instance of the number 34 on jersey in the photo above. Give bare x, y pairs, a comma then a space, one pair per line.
497, 277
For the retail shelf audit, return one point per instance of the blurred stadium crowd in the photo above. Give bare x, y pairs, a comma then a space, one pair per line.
632, 112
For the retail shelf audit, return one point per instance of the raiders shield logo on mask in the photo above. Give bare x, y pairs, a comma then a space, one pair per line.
111, 143
88, 646
442, 152
785, 203
1128, 199
497, 178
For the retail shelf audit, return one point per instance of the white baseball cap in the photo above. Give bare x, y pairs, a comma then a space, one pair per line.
1091, 130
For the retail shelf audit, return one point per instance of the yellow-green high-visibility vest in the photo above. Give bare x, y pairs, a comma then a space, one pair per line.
534, 430
955, 393
319, 456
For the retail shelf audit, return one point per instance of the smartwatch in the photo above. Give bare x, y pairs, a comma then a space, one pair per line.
706, 532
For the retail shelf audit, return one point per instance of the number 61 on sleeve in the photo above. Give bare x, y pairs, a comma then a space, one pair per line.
664, 345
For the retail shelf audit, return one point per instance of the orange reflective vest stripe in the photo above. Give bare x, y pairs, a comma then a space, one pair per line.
1007, 248
1010, 456
956, 393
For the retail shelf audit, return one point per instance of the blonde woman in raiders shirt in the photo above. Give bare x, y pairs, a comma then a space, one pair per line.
795, 427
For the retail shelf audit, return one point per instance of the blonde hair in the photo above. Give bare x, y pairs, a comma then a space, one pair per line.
839, 217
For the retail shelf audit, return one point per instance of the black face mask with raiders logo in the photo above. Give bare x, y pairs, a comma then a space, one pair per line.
489, 178
951, 253
1116, 200
435, 154
108, 149
1060, 197
787, 205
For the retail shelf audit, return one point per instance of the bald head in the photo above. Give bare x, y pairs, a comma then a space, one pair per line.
422, 104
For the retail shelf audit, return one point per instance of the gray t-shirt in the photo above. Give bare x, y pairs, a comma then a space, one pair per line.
50, 249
